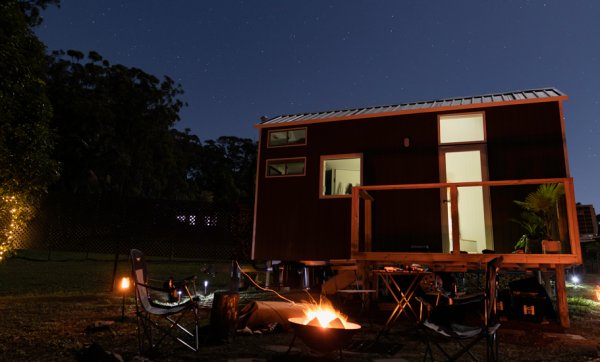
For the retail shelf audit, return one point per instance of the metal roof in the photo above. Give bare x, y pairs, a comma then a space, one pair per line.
530, 95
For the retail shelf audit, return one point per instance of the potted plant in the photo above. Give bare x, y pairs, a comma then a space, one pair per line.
533, 225
543, 202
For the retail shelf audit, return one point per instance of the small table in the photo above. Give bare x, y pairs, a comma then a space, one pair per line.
364, 296
401, 296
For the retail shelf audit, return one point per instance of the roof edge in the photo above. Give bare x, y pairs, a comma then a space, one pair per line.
298, 121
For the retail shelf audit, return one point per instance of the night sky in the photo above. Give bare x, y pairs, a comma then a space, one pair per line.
239, 60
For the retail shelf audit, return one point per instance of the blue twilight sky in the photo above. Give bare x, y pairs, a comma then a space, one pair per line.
239, 60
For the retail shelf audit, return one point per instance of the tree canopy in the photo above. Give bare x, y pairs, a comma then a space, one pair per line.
117, 136
26, 139
74, 123
114, 126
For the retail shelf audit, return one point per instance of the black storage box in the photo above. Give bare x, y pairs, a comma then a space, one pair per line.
528, 306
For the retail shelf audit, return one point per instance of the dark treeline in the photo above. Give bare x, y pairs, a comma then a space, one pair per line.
106, 129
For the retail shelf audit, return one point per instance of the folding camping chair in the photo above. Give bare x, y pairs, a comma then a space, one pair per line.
465, 323
167, 316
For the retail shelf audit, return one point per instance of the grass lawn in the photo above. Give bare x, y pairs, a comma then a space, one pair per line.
67, 273
47, 309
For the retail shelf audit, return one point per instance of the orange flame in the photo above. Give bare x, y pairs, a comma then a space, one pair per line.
597, 290
324, 315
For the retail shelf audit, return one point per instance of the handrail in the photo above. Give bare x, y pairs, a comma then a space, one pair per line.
362, 194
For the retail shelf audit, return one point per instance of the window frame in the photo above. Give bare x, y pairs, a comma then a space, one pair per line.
324, 158
269, 145
284, 160
439, 128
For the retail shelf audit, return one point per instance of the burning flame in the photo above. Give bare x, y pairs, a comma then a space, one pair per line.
323, 315
597, 290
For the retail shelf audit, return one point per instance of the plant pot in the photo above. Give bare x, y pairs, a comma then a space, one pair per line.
551, 246
534, 246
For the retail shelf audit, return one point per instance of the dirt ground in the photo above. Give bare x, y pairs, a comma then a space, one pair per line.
39, 328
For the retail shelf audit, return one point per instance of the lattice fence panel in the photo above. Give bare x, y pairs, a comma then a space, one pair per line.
160, 228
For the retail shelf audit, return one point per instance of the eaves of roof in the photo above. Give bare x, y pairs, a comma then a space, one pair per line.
440, 105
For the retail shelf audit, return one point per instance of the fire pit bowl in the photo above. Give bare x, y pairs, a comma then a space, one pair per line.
323, 339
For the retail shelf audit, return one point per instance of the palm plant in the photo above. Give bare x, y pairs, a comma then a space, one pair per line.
533, 225
544, 203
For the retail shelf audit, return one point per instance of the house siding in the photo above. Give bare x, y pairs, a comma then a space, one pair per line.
293, 223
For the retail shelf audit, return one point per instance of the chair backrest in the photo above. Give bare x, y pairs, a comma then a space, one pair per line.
491, 284
350, 267
139, 275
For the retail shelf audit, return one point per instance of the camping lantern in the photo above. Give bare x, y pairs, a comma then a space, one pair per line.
124, 288
124, 283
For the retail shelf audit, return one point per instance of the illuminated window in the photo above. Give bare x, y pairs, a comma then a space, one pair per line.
287, 137
460, 128
339, 173
286, 167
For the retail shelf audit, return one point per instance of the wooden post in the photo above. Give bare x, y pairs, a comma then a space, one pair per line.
224, 315
561, 297
368, 225
355, 222
455, 223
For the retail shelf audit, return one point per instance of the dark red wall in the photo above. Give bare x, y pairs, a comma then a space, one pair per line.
293, 223
524, 142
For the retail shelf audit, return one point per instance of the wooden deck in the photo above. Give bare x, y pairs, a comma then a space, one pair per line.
456, 261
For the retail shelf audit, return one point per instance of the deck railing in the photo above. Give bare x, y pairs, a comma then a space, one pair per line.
362, 218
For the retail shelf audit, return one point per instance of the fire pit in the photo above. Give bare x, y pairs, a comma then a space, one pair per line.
323, 339
323, 328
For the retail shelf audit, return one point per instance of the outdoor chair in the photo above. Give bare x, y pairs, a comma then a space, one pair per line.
466, 321
346, 283
159, 314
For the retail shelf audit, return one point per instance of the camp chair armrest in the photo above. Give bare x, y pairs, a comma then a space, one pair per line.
152, 287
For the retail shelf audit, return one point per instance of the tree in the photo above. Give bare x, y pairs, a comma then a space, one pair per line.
228, 169
117, 136
114, 125
188, 156
31, 9
26, 139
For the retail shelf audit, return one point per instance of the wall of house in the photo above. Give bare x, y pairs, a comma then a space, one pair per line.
293, 223
524, 142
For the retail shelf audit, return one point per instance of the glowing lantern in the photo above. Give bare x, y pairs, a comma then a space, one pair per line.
124, 287
124, 283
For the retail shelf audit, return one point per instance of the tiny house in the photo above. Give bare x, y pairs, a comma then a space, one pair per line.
404, 158
432, 182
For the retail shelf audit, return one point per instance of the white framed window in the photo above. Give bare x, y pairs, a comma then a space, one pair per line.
286, 167
287, 137
461, 128
339, 173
